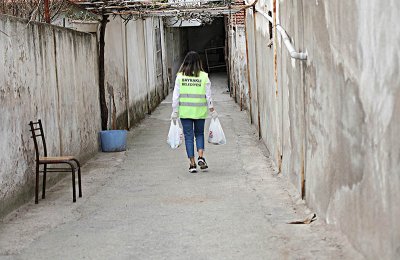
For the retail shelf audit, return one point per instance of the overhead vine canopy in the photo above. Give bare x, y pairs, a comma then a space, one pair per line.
200, 10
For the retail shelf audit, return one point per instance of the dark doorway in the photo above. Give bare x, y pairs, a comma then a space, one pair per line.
209, 42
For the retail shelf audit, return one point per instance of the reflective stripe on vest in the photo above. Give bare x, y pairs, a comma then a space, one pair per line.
192, 96
190, 104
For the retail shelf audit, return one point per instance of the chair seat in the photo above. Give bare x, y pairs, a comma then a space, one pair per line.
56, 159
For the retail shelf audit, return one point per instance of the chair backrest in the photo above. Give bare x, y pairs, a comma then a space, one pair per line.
37, 130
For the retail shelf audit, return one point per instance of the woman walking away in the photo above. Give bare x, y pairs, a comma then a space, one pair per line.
191, 102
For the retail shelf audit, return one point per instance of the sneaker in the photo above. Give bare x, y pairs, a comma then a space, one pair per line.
193, 168
202, 163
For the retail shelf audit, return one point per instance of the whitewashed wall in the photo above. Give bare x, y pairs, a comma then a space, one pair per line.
331, 122
238, 67
135, 70
47, 73
176, 42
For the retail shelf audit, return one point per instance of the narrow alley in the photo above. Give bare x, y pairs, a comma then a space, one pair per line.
307, 92
143, 204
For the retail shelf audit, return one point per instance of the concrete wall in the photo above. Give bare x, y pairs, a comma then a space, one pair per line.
176, 40
330, 122
238, 65
47, 73
135, 74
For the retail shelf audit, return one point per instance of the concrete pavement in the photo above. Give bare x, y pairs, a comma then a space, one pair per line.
143, 204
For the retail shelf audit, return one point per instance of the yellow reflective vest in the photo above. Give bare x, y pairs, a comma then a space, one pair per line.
192, 96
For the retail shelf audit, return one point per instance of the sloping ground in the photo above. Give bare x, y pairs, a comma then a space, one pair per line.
145, 205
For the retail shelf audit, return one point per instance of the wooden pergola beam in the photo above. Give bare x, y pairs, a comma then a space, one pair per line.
146, 8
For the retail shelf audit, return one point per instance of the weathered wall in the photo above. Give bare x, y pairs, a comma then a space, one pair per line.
177, 47
116, 73
251, 61
353, 91
238, 65
47, 73
330, 122
135, 75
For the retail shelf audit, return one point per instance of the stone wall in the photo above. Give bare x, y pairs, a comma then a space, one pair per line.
330, 122
47, 73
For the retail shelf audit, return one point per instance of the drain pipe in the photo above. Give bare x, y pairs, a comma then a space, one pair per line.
293, 53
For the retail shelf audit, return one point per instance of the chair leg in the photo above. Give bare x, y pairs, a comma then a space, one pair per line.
79, 182
79, 178
44, 181
37, 184
73, 184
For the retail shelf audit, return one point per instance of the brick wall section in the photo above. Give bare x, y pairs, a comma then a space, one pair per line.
239, 17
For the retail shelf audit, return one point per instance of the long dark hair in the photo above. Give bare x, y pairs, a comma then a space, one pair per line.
191, 65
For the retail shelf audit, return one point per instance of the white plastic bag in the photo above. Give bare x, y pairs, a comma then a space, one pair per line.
175, 135
215, 133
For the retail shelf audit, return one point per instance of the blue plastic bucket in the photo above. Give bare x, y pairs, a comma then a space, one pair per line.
113, 140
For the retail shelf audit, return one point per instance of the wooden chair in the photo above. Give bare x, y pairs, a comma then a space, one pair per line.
37, 130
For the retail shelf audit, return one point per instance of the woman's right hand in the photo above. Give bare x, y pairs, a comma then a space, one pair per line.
213, 113
174, 115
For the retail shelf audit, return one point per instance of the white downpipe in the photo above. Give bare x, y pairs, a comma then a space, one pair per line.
293, 53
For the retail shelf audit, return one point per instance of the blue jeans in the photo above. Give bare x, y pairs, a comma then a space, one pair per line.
193, 128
